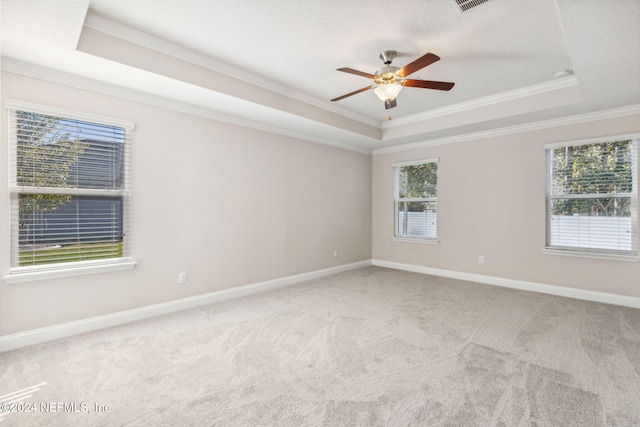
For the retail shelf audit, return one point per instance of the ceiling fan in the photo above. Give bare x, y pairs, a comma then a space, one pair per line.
389, 81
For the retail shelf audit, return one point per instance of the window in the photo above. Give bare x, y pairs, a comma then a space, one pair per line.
416, 199
592, 197
69, 189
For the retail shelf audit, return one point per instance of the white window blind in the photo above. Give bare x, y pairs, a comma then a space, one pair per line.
416, 199
69, 189
592, 197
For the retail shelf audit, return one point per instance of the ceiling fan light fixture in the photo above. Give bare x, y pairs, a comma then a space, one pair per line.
388, 81
388, 91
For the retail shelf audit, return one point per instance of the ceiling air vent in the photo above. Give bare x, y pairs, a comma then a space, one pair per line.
469, 4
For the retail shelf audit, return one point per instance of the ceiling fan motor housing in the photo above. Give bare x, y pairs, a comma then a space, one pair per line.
386, 73
389, 76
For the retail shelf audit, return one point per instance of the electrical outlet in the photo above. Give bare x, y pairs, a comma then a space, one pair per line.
335, 252
182, 278
481, 259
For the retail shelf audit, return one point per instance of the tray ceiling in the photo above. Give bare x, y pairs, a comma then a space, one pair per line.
272, 63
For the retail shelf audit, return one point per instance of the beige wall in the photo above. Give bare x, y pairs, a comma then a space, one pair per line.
491, 195
234, 206
226, 204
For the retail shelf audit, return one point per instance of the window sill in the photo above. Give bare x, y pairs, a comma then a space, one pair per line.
415, 240
591, 255
33, 275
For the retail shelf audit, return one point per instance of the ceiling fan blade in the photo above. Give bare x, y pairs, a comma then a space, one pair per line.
352, 93
428, 84
357, 73
423, 61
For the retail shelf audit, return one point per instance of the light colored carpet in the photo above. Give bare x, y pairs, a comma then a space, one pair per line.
369, 347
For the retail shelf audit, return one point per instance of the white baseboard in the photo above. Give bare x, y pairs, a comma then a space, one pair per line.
563, 291
36, 336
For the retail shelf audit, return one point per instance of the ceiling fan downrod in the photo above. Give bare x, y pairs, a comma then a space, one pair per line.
387, 56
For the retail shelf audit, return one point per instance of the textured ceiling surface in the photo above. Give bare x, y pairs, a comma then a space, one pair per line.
273, 63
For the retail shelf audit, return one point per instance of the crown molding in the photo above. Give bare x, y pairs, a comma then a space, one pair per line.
116, 29
499, 98
527, 127
78, 82
46, 74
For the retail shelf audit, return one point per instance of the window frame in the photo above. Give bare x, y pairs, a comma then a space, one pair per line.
19, 274
597, 253
397, 199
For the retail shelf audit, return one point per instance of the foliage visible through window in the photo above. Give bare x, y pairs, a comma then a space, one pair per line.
69, 192
592, 197
416, 199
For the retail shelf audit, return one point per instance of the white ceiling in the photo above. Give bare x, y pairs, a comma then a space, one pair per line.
271, 64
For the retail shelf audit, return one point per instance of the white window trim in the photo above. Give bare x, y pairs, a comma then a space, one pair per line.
35, 274
421, 240
591, 255
412, 239
53, 271
60, 112
416, 162
594, 254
